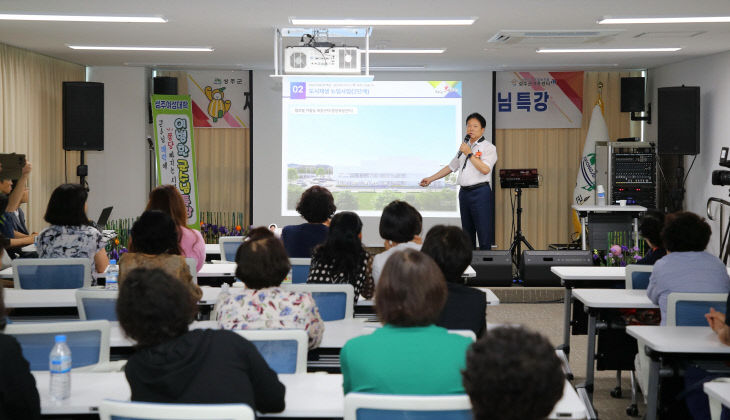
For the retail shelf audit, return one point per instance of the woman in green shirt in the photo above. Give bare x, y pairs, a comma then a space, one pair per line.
409, 354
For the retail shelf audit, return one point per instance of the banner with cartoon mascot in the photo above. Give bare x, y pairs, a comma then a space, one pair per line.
220, 99
175, 149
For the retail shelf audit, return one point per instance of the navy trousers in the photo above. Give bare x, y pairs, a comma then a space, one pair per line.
476, 215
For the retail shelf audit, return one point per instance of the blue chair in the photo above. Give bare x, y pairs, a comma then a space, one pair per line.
285, 351
360, 406
97, 304
229, 246
300, 269
335, 301
88, 341
689, 309
637, 276
128, 410
51, 273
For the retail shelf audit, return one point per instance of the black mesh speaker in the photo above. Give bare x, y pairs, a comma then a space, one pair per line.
494, 269
535, 265
83, 116
632, 94
679, 121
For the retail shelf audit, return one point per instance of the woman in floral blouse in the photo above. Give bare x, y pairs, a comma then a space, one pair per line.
70, 234
342, 258
262, 264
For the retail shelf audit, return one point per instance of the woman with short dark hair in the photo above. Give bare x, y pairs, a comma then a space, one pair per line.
174, 365
167, 199
71, 234
409, 354
342, 259
400, 227
154, 244
262, 265
316, 206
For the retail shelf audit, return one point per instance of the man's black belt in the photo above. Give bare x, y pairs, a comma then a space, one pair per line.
475, 186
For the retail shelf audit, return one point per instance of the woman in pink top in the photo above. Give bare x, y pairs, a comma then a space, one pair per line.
167, 198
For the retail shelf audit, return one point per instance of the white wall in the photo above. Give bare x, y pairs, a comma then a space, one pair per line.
118, 176
711, 75
477, 97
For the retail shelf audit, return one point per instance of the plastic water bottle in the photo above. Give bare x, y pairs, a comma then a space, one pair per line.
112, 276
60, 366
601, 196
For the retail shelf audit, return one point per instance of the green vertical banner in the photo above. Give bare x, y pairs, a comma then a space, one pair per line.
173, 126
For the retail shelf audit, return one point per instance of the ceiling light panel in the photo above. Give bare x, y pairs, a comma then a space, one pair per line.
83, 18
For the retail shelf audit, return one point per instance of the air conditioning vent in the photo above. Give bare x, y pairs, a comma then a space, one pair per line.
532, 37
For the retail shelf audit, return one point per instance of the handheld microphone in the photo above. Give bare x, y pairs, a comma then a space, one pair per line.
466, 139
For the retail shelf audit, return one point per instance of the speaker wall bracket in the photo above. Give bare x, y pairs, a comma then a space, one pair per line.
646, 118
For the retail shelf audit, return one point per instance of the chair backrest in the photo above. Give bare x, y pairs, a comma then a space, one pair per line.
112, 410
193, 267
299, 269
334, 301
637, 276
88, 341
689, 309
51, 273
360, 406
97, 304
284, 350
229, 245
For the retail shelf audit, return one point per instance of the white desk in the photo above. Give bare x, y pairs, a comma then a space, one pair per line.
718, 391
584, 210
492, 299
663, 343
307, 395
597, 299
571, 277
212, 249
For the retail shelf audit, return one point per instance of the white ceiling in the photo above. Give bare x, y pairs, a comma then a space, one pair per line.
241, 31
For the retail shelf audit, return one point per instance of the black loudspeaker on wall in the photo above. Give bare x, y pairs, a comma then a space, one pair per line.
679, 121
83, 116
162, 85
632, 94
494, 268
535, 265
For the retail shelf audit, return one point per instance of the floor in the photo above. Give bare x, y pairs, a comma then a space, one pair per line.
547, 318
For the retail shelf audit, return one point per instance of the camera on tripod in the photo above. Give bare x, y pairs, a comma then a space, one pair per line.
722, 177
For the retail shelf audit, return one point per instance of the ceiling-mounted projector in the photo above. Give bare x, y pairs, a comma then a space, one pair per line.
318, 60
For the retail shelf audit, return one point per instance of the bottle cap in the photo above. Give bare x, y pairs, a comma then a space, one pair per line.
60, 338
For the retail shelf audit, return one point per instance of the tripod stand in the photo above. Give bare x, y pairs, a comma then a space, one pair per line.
515, 249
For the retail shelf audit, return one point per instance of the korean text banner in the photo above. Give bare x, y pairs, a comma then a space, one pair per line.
219, 98
175, 149
539, 99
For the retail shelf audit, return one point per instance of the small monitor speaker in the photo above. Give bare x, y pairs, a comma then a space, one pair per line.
83, 116
632, 94
494, 269
535, 265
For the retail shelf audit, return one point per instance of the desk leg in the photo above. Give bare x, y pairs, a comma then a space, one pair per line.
566, 320
653, 391
636, 232
583, 222
590, 357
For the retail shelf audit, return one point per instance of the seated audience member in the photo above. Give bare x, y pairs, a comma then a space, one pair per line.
686, 267
400, 225
409, 354
153, 244
174, 365
513, 374
466, 307
167, 199
316, 206
70, 234
13, 219
650, 228
18, 394
342, 259
262, 264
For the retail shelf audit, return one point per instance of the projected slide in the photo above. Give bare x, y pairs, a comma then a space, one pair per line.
370, 142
